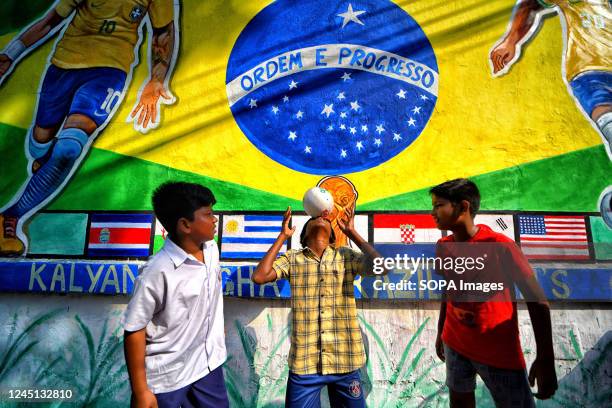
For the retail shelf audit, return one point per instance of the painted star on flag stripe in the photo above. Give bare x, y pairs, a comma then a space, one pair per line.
328, 109
351, 15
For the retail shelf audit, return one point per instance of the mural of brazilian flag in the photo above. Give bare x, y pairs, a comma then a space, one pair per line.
269, 97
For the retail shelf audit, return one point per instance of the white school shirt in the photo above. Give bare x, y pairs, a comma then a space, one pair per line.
180, 302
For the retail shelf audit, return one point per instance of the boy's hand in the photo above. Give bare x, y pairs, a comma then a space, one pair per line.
346, 223
286, 231
144, 399
543, 371
440, 348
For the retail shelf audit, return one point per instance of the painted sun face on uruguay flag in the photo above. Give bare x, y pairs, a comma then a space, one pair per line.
326, 87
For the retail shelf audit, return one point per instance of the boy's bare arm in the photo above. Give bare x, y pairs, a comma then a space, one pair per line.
264, 272
134, 348
543, 368
441, 320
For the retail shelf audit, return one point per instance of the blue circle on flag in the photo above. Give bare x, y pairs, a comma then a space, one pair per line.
332, 87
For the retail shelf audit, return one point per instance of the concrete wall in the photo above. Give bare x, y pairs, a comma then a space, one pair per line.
75, 342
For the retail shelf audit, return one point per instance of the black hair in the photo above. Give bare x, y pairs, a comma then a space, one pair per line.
332, 236
458, 190
176, 199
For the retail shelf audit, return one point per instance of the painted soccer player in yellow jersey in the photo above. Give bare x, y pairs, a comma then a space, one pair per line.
82, 87
587, 28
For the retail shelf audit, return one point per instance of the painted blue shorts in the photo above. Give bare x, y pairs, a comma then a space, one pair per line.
92, 92
592, 88
509, 388
345, 390
207, 392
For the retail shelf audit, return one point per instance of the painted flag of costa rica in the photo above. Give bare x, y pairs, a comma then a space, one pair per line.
119, 235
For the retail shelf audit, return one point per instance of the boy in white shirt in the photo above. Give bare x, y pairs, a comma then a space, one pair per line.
174, 334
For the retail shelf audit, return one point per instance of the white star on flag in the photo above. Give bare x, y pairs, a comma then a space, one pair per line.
401, 94
343, 115
417, 109
355, 106
380, 129
342, 153
253, 103
307, 150
353, 130
285, 99
293, 84
411, 122
364, 128
351, 15
299, 114
328, 110
424, 98
330, 128
397, 137
346, 76
292, 135
341, 96
359, 145
342, 126
377, 142
275, 109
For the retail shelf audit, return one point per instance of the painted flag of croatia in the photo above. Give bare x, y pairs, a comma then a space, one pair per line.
387, 228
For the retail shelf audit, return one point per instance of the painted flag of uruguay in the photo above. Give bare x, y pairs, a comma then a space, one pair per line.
553, 237
249, 236
119, 235
387, 228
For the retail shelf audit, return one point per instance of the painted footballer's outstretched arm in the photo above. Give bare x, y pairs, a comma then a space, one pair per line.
162, 52
524, 21
29, 37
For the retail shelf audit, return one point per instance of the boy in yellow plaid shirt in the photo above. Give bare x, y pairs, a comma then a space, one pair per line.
326, 344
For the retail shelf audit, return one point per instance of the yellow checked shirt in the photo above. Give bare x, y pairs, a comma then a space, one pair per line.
588, 34
103, 33
325, 335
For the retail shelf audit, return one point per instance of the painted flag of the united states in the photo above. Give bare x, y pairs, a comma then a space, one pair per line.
120, 235
249, 236
553, 237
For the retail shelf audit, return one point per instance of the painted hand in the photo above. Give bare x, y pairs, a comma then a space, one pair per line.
543, 372
286, 231
147, 107
502, 55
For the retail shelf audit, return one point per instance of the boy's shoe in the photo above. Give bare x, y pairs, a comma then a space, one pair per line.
10, 245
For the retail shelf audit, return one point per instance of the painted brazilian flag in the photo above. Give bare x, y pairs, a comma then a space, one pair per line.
272, 96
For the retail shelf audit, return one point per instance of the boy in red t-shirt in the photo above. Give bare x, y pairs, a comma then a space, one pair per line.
482, 337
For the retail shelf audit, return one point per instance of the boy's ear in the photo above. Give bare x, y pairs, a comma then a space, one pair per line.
182, 225
465, 206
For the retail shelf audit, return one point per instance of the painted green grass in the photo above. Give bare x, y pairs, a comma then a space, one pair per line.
110, 181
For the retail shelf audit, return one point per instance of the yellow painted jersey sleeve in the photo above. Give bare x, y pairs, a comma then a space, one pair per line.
103, 33
161, 12
588, 35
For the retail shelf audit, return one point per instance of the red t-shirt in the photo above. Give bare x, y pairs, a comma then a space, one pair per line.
487, 332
